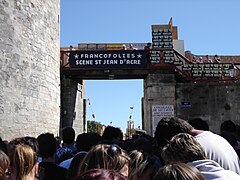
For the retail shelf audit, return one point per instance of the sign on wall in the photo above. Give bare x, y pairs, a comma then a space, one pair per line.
159, 112
186, 104
209, 70
107, 59
155, 57
162, 38
168, 57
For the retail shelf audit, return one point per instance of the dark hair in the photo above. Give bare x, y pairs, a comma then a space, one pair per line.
32, 141
29, 141
59, 141
111, 133
228, 126
178, 171
3, 146
199, 124
47, 145
75, 164
145, 143
168, 127
85, 141
96, 174
68, 135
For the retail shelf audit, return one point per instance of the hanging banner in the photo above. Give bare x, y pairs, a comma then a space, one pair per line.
107, 59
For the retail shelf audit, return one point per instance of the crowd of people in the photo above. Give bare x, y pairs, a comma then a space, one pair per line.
207, 59
180, 150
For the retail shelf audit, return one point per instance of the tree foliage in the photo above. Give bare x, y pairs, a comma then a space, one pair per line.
94, 127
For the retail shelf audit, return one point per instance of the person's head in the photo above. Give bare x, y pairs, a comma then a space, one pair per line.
75, 164
228, 130
137, 164
33, 143
3, 146
169, 127
183, 148
105, 156
23, 162
199, 124
112, 135
96, 174
47, 145
30, 141
178, 171
228, 126
4, 165
68, 135
145, 143
142, 166
85, 141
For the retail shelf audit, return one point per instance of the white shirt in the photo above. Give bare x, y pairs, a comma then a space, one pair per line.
213, 171
219, 150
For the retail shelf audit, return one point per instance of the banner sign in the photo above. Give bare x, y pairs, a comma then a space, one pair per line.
162, 38
186, 104
155, 57
107, 59
168, 57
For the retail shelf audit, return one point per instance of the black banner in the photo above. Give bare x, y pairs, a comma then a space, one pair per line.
107, 59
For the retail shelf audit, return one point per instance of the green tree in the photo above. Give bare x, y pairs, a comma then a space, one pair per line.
94, 127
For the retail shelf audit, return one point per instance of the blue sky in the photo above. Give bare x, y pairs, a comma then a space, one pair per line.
207, 27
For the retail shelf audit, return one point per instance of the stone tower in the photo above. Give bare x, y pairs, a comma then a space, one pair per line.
29, 67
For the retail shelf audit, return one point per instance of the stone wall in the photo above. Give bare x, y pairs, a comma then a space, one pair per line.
159, 89
72, 105
212, 102
29, 67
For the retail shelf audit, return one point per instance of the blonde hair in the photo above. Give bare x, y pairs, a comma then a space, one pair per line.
23, 161
178, 171
184, 148
4, 164
138, 164
103, 156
